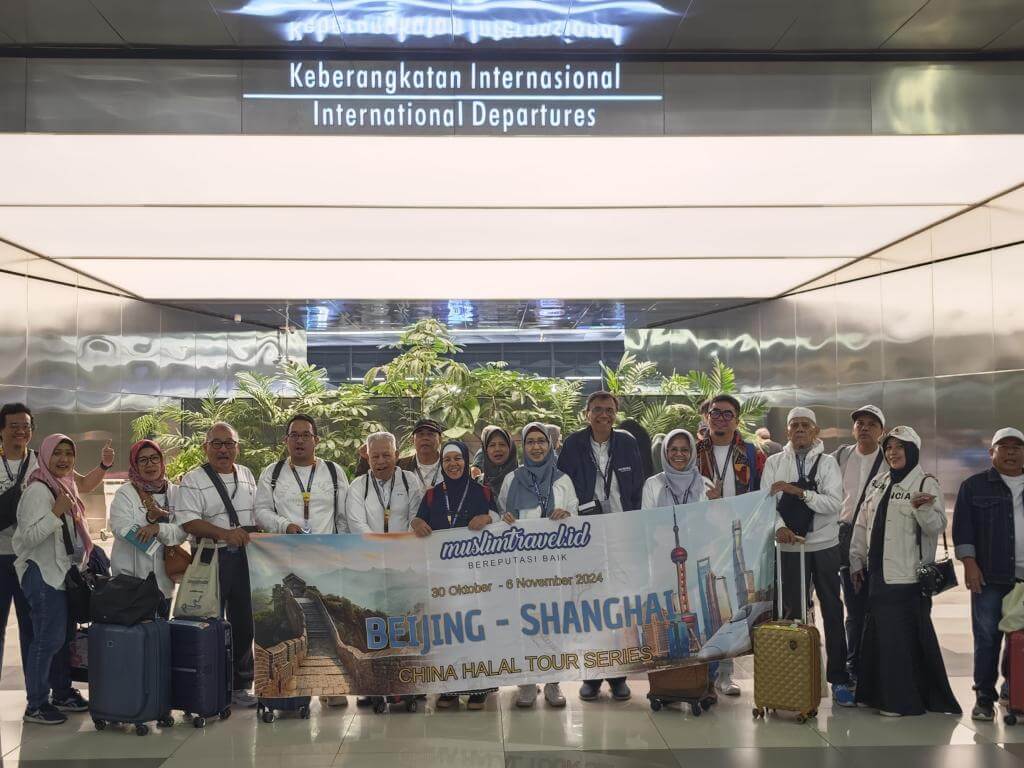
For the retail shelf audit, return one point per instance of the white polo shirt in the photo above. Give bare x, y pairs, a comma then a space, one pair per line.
198, 498
276, 511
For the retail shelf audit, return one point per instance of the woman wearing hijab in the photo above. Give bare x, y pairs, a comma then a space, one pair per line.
455, 502
499, 458
537, 489
901, 667
51, 538
679, 482
144, 507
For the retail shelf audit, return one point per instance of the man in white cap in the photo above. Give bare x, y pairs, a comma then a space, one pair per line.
858, 465
989, 512
808, 490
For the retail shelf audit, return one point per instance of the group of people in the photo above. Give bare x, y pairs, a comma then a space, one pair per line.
865, 518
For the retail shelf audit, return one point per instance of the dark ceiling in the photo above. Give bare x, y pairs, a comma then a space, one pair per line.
521, 25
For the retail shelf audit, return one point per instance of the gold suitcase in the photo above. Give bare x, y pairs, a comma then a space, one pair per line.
787, 659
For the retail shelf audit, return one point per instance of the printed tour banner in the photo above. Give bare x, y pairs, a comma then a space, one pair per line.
538, 601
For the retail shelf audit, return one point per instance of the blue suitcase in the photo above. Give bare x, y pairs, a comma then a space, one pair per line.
267, 709
130, 674
201, 668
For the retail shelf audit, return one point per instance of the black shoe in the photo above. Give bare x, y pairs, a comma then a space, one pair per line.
620, 691
73, 703
45, 715
476, 701
364, 701
983, 711
446, 700
590, 690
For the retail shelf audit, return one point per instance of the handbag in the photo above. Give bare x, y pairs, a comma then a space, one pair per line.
795, 513
939, 576
199, 593
9, 499
125, 600
78, 583
177, 559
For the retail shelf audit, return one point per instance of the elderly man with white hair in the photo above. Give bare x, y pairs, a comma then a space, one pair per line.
808, 490
386, 498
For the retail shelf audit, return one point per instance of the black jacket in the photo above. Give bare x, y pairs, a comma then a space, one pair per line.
577, 461
983, 526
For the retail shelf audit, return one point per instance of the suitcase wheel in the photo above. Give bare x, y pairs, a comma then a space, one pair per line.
380, 706
268, 715
706, 704
141, 729
696, 710
166, 722
226, 713
198, 722
655, 705
757, 712
801, 718
304, 712
1010, 719
411, 705
100, 724
813, 713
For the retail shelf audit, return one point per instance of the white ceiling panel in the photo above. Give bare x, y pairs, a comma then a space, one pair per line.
421, 279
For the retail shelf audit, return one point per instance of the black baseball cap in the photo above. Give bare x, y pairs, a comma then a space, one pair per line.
433, 426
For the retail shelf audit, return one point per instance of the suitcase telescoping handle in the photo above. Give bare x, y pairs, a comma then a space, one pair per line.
802, 549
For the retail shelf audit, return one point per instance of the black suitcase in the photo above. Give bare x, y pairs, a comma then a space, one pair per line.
201, 668
130, 674
267, 709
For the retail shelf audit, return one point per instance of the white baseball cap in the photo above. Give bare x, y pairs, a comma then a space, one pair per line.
871, 410
904, 434
1007, 432
801, 413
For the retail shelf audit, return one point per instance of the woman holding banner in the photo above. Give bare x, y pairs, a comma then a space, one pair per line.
680, 482
455, 502
537, 489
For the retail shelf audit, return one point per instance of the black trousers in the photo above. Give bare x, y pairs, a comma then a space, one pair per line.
822, 568
236, 604
856, 610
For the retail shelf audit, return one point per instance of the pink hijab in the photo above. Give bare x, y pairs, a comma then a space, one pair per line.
66, 485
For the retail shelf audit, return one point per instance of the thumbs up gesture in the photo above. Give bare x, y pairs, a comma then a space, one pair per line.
107, 455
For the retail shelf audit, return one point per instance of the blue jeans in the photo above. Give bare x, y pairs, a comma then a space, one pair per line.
49, 608
986, 611
10, 591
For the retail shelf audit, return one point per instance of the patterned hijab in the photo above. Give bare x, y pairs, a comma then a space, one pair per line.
135, 474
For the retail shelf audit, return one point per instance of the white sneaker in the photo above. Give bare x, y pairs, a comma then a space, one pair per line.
334, 701
553, 695
885, 713
243, 698
527, 696
727, 686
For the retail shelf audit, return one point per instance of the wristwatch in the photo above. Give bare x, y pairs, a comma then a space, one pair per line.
803, 496
105, 467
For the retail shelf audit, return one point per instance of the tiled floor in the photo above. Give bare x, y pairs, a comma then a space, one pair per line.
602, 734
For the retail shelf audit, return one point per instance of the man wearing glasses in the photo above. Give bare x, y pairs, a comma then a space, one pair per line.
731, 467
16, 427
216, 501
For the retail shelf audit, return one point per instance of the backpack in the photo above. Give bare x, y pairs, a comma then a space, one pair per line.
331, 469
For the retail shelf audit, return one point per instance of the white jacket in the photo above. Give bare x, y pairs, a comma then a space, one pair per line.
826, 502
38, 538
653, 487
127, 510
901, 557
365, 513
275, 509
563, 489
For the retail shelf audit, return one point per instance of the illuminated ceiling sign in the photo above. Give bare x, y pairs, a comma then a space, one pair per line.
473, 21
487, 97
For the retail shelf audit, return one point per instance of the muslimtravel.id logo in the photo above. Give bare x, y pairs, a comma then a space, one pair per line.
515, 539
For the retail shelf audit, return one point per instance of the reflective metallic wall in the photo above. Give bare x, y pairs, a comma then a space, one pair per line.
88, 362
937, 346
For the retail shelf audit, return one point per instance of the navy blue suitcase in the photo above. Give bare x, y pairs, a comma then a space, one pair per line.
267, 709
201, 668
130, 674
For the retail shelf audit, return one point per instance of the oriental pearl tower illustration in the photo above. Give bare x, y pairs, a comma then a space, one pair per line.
688, 617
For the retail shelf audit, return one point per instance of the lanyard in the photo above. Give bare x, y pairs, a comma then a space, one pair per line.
719, 473
380, 498
668, 487
433, 479
7, 468
306, 491
540, 497
234, 476
458, 510
606, 478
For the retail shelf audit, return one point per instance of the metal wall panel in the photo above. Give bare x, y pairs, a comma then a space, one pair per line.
1008, 319
913, 403
140, 348
99, 342
962, 291
177, 353
849, 398
211, 361
816, 339
243, 347
780, 402
137, 96
12, 95
778, 344
859, 331
53, 410
765, 99
52, 335
1008, 405
13, 329
846, 24
165, 22
964, 413
734, 24
907, 327
952, 24
70, 22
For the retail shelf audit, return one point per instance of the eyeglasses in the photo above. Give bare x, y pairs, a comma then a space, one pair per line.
300, 436
145, 461
19, 427
722, 415
537, 442
219, 444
